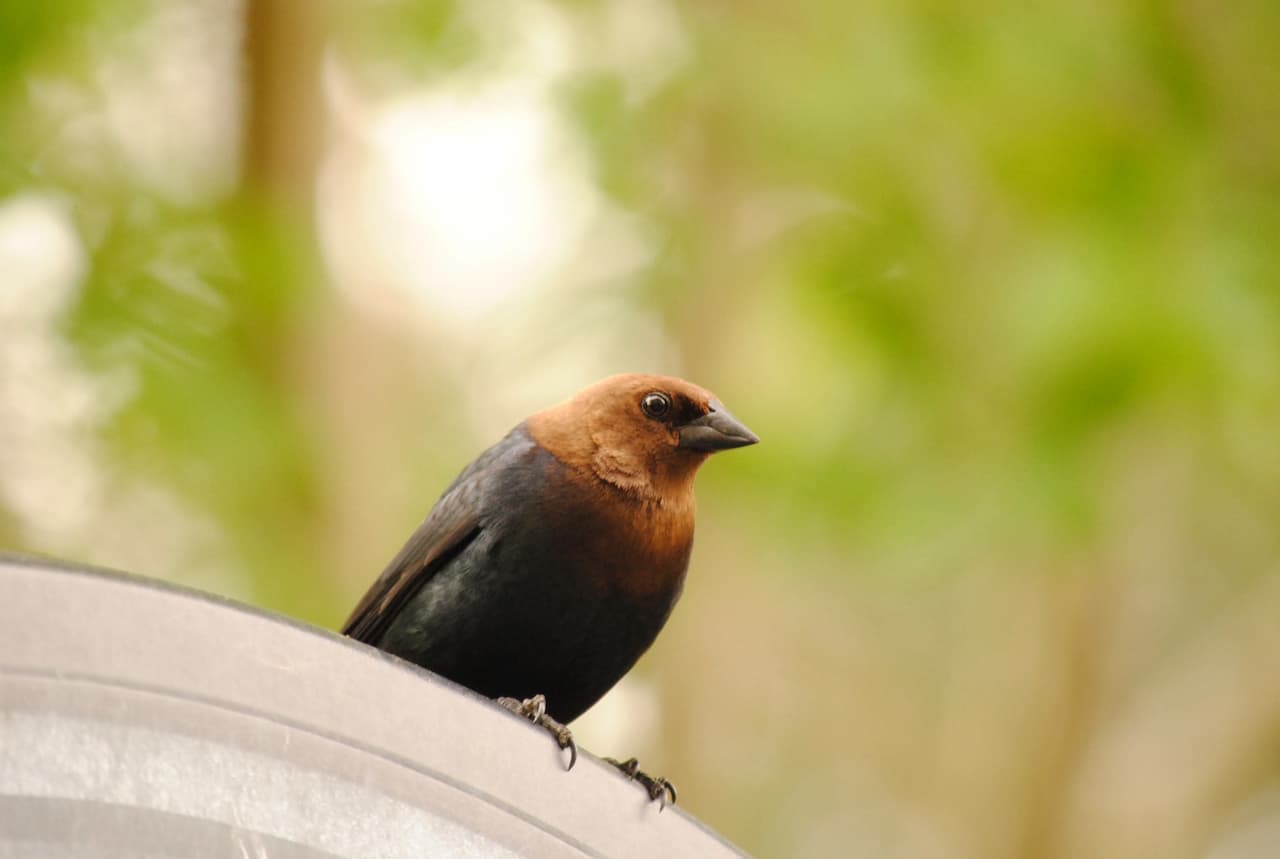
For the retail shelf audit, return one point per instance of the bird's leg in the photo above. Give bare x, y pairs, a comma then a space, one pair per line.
535, 710
657, 787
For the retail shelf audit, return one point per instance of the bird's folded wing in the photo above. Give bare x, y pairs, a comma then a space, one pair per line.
453, 524
450, 527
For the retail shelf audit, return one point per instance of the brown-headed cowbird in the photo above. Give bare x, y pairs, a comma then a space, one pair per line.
552, 561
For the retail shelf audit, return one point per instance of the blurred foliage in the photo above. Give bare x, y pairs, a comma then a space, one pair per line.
200, 307
407, 36
28, 28
997, 286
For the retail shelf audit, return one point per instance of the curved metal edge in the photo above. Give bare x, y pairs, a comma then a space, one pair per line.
510, 771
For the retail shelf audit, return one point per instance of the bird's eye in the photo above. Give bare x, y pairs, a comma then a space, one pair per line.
655, 404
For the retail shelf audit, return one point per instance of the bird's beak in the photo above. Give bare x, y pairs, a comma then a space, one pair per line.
716, 430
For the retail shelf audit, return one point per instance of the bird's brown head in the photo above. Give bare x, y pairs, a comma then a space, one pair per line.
645, 435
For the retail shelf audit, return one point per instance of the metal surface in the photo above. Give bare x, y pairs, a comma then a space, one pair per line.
138, 719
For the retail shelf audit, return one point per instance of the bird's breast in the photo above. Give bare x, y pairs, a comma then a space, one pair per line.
613, 541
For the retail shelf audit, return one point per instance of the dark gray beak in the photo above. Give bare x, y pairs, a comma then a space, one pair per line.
716, 430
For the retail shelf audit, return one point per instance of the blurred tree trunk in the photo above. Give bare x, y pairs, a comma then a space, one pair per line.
284, 44
350, 383
283, 140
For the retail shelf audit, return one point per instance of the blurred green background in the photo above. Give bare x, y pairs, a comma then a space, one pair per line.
997, 286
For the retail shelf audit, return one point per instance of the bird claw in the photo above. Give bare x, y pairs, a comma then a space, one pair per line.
535, 710
657, 787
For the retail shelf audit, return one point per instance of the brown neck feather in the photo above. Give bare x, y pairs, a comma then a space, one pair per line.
649, 468
647, 500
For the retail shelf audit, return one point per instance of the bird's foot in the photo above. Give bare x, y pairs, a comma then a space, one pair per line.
535, 710
657, 787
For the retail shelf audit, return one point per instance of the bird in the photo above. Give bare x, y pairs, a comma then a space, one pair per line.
551, 563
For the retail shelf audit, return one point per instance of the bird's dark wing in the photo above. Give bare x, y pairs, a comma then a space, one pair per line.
446, 532
453, 523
